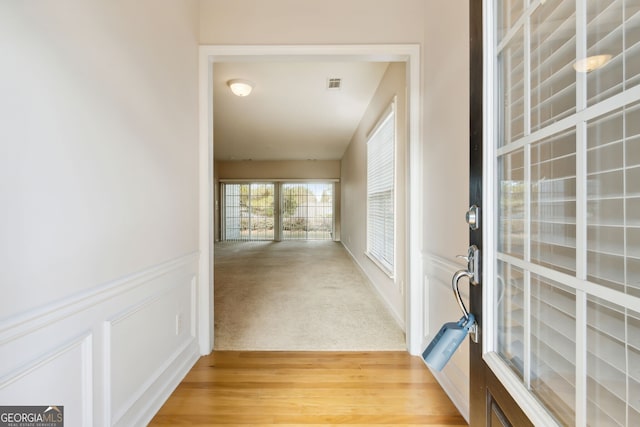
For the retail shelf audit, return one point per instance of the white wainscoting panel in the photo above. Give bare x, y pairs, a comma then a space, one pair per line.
62, 376
442, 308
111, 356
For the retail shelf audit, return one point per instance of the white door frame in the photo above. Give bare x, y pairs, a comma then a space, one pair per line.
408, 53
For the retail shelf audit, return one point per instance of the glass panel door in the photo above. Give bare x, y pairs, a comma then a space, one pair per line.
248, 211
564, 252
307, 211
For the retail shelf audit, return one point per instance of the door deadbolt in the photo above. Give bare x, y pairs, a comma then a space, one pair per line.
473, 217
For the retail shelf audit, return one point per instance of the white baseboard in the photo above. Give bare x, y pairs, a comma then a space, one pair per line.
392, 310
111, 355
459, 399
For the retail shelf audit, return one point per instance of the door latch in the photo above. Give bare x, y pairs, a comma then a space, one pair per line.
473, 264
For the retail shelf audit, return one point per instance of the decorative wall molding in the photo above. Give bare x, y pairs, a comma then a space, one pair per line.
187, 342
438, 266
139, 394
42, 376
16, 326
73, 343
48, 356
441, 307
460, 400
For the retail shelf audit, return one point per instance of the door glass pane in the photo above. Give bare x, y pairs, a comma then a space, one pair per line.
631, 13
633, 356
553, 202
613, 367
604, 64
511, 69
553, 351
632, 198
509, 12
510, 316
553, 54
613, 205
511, 205
248, 211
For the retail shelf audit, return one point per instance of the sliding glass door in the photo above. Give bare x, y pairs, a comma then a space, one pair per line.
307, 211
248, 211
277, 211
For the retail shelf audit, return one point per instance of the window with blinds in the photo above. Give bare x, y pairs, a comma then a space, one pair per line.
567, 175
381, 192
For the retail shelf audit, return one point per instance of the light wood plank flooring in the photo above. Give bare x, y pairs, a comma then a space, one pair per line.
230, 388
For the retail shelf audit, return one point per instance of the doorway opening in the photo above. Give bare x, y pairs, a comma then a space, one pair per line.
410, 55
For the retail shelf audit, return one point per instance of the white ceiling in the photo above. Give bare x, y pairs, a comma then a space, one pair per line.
291, 115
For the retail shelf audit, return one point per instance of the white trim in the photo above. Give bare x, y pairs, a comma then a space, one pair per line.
176, 375
49, 357
601, 108
21, 325
140, 394
380, 266
391, 109
447, 268
409, 53
84, 343
602, 292
460, 401
248, 181
489, 110
206, 211
581, 359
513, 384
414, 295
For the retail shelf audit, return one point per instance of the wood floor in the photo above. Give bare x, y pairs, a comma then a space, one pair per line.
309, 389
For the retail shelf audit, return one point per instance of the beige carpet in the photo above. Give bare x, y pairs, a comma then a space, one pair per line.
297, 295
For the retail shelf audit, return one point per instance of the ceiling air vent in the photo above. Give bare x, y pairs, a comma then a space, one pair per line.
334, 83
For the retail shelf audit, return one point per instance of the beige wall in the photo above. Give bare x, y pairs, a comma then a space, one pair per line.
98, 165
98, 205
446, 128
284, 169
261, 22
354, 189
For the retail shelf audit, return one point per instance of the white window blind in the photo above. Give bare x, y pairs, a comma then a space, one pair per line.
381, 191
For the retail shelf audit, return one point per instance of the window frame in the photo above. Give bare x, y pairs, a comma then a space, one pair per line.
385, 259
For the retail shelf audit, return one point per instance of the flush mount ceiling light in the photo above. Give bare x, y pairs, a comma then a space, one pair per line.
591, 63
240, 87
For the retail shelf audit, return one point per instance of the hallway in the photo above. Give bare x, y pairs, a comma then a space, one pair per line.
309, 388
